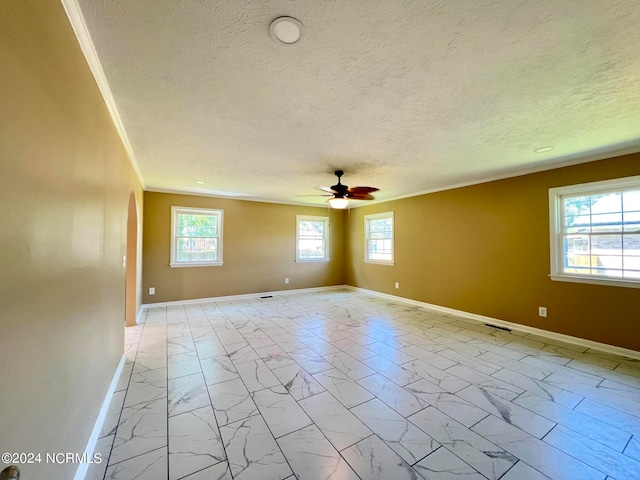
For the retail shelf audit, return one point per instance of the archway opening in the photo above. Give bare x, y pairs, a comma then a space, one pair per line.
131, 279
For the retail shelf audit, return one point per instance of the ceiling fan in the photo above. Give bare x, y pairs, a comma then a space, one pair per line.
341, 194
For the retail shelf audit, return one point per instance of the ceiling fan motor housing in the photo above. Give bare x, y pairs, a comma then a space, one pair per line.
339, 188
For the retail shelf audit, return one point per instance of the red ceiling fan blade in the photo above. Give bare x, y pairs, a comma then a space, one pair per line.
362, 190
360, 196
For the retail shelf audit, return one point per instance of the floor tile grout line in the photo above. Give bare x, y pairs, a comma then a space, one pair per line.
136, 456
166, 333
626, 445
573, 456
458, 457
511, 468
203, 469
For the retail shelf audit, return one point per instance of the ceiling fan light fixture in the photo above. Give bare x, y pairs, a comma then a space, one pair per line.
286, 31
339, 203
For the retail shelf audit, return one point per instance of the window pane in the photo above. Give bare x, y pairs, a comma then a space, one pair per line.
379, 242
190, 225
606, 244
579, 264
311, 228
197, 249
632, 262
631, 221
631, 200
380, 249
576, 244
632, 274
603, 272
606, 203
577, 223
574, 206
609, 262
380, 228
631, 244
606, 222
311, 248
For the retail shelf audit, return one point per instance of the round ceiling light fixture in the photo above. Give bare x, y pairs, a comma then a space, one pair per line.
543, 149
339, 203
286, 31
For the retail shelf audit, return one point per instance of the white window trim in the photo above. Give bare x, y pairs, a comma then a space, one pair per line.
377, 216
555, 218
174, 225
310, 218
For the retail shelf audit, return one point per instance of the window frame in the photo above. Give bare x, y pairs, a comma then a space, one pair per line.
556, 216
175, 212
367, 222
326, 237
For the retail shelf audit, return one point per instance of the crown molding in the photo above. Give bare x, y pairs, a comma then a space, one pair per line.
79, 26
568, 161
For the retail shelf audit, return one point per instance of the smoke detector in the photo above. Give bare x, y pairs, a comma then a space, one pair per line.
286, 31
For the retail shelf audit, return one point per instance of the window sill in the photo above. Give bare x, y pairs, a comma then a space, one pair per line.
380, 262
595, 281
196, 264
312, 260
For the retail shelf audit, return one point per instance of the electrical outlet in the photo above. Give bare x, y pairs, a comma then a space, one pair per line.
542, 311
397, 284
286, 280
124, 261
152, 291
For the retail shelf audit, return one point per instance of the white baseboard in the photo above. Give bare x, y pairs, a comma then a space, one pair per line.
513, 326
140, 315
81, 472
242, 296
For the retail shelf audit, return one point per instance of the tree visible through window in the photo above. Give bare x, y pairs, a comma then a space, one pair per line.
312, 238
196, 237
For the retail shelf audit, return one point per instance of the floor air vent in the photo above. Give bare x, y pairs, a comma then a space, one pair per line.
499, 328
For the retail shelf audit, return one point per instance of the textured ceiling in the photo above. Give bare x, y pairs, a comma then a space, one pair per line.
405, 95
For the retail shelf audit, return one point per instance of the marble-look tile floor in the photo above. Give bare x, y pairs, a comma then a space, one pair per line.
340, 385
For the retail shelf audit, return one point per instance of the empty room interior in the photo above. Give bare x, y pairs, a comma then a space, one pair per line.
342, 239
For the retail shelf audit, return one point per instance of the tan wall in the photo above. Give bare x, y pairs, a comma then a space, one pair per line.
259, 250
65, 182
485, 249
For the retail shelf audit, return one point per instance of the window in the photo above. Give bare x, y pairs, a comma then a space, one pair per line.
595, 232
196, 237
312, 239
378, 236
